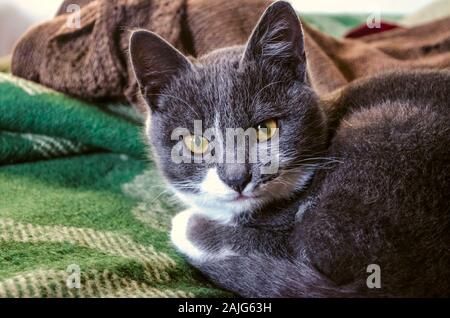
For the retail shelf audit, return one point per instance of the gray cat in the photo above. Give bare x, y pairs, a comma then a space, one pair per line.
358, 205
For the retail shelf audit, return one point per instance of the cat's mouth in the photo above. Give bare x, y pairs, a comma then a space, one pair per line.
277, 186
242, 198
220, 202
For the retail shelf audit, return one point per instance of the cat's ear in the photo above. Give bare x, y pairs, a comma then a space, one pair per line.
278, 38
155, 63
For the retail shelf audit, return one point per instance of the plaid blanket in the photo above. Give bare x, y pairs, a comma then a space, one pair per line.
83, 212
98, 209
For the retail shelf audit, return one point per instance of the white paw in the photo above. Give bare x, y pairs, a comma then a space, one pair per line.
179, 237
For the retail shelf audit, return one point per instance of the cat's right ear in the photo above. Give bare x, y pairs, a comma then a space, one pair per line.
278, 39
155, 62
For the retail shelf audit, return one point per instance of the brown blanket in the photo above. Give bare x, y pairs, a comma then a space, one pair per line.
91, 62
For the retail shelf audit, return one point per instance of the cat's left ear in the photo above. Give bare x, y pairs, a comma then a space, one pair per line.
155, 63
278, 39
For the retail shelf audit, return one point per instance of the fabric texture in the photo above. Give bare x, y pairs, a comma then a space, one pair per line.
91, 62
364, 30
99, 204
76, 188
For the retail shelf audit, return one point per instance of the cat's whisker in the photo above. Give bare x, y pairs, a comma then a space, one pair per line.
159, 196
262, 89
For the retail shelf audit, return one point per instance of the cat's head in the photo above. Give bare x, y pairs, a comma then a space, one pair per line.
196, 106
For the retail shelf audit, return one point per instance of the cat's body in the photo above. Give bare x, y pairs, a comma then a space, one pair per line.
384, 202
363, 178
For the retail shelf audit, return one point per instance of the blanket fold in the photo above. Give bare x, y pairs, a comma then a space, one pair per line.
44, 124
91, 62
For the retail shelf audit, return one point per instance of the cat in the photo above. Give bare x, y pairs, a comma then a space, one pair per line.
362, 178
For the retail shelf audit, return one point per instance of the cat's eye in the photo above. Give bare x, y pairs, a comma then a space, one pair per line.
266, 130
196, 144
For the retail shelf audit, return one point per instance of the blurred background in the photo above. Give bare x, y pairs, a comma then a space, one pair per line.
16, 16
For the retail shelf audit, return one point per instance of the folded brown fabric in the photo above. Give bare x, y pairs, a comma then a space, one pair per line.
333, 63
91, 62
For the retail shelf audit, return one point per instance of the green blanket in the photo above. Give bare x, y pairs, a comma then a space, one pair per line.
80, 200
97, 204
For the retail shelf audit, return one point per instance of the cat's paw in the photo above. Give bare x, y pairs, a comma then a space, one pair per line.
182, 224
180, 235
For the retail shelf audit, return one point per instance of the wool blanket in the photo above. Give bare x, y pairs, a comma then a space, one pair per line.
91, 62
80, 203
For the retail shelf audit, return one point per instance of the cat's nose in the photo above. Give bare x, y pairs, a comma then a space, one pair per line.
238, 184
237, 177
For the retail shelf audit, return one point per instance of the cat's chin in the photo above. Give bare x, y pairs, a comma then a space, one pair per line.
226, 207
221, 209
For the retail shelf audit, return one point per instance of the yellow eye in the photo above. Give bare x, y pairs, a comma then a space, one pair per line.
267, 130
196, 144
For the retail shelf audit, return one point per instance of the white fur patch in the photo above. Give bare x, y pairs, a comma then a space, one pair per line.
212, 184
305, 178
302, 209
180, 239
209, 206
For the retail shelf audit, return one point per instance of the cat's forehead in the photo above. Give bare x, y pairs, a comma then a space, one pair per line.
212, 91
220, 92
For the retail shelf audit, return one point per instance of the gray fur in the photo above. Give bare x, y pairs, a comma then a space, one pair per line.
381, 160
